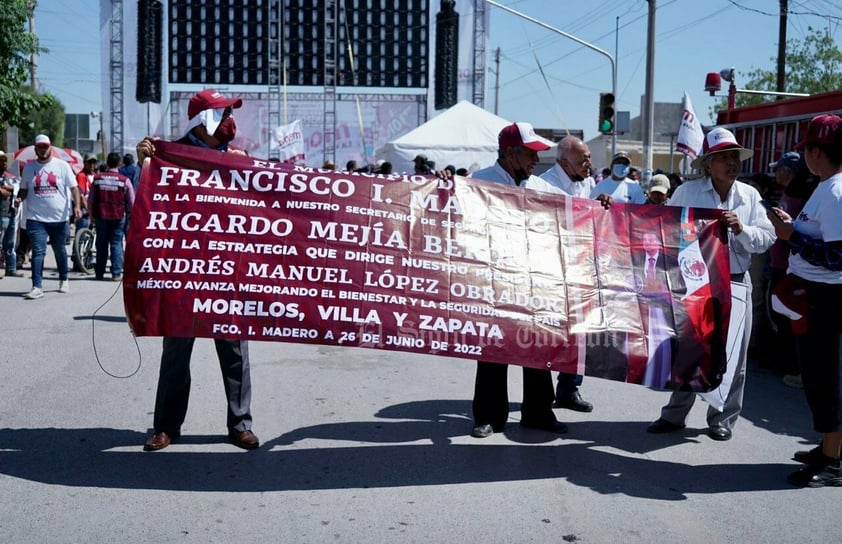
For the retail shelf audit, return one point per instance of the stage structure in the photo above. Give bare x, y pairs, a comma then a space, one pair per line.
357, 73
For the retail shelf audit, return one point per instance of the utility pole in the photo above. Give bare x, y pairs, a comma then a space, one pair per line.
781, 80
649, 109
33, 57
496, 80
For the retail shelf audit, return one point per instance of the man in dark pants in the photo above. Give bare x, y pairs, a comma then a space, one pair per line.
211, 125
517, 155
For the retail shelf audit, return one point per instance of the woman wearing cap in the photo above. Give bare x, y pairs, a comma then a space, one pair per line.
815, 242
749, 231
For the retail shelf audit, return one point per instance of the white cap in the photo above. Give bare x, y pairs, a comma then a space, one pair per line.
42, 139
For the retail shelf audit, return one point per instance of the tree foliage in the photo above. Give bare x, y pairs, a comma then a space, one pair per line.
813, 65
47, 120
16, 46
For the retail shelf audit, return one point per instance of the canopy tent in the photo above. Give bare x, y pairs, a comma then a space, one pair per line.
464, 135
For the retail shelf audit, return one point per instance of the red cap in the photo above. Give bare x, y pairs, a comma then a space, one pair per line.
208, 100
823, 129
521, 135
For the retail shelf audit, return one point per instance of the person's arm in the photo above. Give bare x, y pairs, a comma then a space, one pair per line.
77, 206
817, 252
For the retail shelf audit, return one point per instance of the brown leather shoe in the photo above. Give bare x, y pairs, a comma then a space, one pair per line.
244, 439
159, 440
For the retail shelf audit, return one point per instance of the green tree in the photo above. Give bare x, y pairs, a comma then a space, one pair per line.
48, 119
16, 46
813, 65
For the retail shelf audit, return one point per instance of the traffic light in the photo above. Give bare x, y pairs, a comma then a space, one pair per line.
607, 113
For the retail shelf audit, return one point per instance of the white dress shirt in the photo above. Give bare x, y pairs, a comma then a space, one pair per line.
497, 174
557, 177
624, 191
758, 234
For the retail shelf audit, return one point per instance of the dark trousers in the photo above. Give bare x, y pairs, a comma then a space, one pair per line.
174, 383
491, 399
567, 385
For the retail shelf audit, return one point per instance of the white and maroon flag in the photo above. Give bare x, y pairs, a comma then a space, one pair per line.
229, 246
288, 142
690, 134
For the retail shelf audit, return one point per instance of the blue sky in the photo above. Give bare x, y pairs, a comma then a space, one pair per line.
693, 37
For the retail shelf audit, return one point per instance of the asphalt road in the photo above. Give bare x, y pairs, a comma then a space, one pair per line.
363, 446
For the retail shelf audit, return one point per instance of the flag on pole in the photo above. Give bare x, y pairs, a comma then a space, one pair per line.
288, 141
690, 133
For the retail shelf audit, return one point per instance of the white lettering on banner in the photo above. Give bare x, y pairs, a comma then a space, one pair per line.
217, 199
458, 326
308, 205
279, 290
210, 285
242, 247
312, 274
290, 333
373, 297
388, 280
253, 308
232, 224
362, 235
425, 264
179, 265
364, 257
347, 315
430, 202
262, 181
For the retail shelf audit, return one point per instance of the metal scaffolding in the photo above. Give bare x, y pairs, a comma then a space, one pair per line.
479, 53
275, 65
331, 34
116, 78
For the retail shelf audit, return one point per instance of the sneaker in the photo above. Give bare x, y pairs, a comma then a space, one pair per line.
118, 277
14, 274
64, 286
35, 293
793, 380
809, 457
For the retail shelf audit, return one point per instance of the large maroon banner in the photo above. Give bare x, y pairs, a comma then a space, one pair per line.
228, 246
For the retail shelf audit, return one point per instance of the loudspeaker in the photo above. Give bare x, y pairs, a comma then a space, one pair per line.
150, 14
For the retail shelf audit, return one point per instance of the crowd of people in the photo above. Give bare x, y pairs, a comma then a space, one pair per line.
796, 221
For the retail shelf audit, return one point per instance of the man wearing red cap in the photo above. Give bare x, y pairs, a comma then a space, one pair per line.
517, 155
211, 125
749, 231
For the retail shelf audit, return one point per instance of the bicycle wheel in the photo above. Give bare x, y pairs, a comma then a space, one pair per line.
84, 251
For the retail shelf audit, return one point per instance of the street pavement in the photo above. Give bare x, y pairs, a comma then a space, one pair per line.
364, 446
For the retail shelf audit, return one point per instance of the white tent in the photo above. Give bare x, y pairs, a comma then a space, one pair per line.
464, 135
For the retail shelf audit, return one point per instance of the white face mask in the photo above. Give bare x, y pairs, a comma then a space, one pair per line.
620, 170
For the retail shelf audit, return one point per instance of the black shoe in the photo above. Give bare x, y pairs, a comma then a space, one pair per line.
719, 433
482, 431
811, 457
827, 473
661, 426
555, 427
574, 402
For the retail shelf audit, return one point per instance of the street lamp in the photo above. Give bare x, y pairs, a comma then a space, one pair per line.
98, 114
713, 84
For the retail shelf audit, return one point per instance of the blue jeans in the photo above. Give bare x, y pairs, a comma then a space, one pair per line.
109, 234
38, 234
7, 227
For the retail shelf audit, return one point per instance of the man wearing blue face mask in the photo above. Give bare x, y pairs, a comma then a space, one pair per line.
619, 187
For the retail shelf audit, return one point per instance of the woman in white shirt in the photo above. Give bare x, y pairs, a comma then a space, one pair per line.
815, 242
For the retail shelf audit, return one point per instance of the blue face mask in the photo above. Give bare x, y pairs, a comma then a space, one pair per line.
620, 170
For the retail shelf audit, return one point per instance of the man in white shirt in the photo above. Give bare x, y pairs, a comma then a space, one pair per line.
49, 187
571, 174
619, 187
749, 231
517, 155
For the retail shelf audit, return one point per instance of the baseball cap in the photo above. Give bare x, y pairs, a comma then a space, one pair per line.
620, 156
718, 140
522, 135
42, 139
823, 129
659, 184
210, 99
789, 159
420, 157
91, 159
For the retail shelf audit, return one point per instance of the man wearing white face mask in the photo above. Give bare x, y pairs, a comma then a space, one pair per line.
619, 187
210, 125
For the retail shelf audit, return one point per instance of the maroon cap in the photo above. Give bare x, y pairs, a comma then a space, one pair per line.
208, 100
823, 129
521, 135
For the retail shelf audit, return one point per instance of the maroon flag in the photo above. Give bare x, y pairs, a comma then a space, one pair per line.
228, 246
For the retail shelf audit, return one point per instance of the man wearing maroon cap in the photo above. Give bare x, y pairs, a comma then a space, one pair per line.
517, 155
749, 231
211, 125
